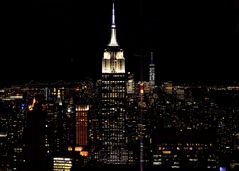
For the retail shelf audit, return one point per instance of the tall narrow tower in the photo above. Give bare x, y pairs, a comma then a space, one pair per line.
151, 71
113, 97
113, 61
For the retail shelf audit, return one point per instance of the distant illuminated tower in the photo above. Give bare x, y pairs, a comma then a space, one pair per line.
113, 97
130, 84
151, 72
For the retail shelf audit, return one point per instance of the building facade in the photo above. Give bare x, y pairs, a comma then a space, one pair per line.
112, 114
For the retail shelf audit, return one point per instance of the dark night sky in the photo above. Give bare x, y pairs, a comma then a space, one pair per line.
65, 39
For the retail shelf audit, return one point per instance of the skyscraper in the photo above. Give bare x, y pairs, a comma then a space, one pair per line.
113, 116
82, 125
35, 133
151, 72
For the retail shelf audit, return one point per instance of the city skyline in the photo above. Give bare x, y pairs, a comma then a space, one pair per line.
186, 126
71, 104
61, 40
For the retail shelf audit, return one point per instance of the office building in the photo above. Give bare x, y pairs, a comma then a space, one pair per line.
114, 141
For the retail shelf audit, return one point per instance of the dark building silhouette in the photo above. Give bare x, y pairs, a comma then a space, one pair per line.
35, 138
4, 116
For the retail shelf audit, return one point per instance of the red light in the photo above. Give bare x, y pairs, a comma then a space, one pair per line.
141, 88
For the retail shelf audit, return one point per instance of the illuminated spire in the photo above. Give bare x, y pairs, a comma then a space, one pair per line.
113, 40
152, 71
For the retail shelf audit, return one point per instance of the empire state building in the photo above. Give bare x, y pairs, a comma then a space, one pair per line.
113, 115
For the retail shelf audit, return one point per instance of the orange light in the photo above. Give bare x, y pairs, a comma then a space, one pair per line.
84, 153
141, 88
30, 107
69, 148
78, 148
167, 152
